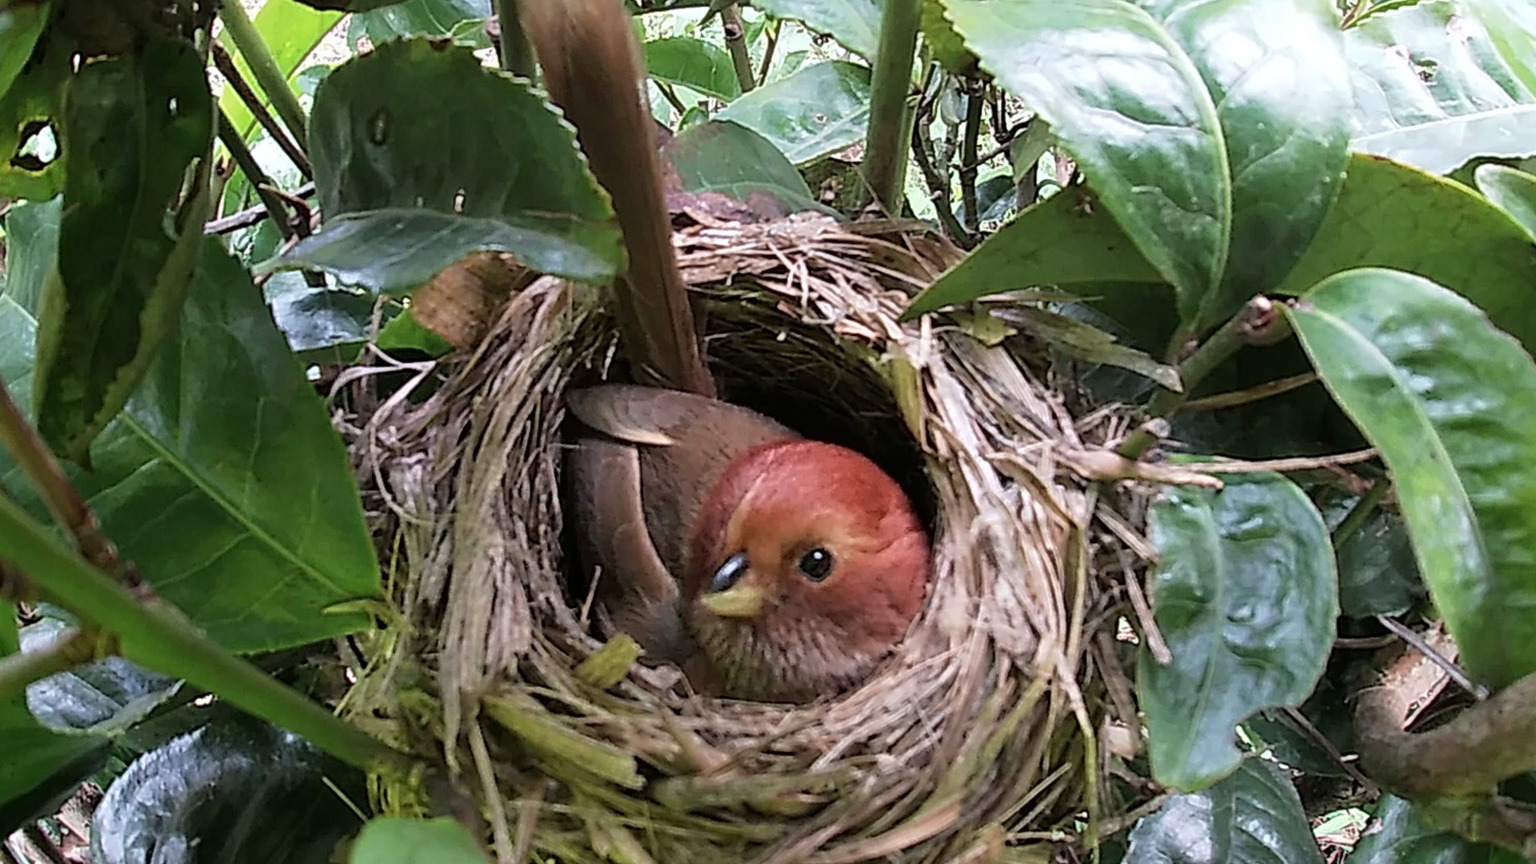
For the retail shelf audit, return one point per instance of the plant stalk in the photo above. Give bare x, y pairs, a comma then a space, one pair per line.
968, 161
231, 72
156, 636
252, 171
736, 44
512, 45
890, 108
247, 40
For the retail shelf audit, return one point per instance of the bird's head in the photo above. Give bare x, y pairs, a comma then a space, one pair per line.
806, 565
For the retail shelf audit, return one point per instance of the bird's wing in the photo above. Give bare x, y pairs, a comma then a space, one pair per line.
638, 594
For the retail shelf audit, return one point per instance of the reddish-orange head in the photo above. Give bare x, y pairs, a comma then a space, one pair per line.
806, 566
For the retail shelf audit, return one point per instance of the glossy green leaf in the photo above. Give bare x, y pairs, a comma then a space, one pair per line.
1252, 817
392, 185
1276, 71
1399, 834
31, 240
854, 23
132, 126
416, 18
405, 333
1377, 571
694, 63
256, 528
721, 156
238, 792
1391, 215
1450, 403
1514, 191
31, 166
1131, 108
394, 840
314, 319
20, 25
817, 111
397, 250
104, 697
1442, 81
1066, 240
1245, 594
291, 31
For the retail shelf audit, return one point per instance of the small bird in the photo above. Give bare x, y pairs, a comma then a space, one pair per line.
764, 565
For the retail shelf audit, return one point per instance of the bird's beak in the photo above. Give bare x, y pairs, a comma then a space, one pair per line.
728, 598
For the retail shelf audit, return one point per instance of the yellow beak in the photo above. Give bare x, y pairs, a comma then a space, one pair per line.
742, 601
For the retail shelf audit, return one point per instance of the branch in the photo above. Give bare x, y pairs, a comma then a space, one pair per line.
252, 171
512, 45
772, 35
890, 108
938, 189
736, 43
968, 161
232, 76
249, 216
247, 40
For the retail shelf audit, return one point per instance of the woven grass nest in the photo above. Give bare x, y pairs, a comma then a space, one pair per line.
978, 735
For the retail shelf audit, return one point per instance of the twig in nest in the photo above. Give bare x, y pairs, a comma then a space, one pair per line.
1252, 394
1296, 463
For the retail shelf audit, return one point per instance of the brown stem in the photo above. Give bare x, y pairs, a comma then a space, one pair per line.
772, 35
968, 161
253, 173
58, 494
232, 76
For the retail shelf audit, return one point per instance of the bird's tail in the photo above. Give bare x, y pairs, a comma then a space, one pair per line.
592, 71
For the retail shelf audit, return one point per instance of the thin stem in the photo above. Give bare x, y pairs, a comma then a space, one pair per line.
890, 108
512, 45
968, 163
68, 650
736, 44
249, 216
670, 94
938, 189
61, 498
772, 35
242, 88
1360, 512
247, 40
156, 636
1255, 316
253, 173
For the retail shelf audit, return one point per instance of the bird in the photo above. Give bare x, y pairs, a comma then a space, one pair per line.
764, 565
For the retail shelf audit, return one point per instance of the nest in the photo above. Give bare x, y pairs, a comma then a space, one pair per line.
979, 731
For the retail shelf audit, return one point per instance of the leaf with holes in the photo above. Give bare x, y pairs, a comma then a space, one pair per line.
1450, 402
253, 527
132, 125
1252, 817
1438, 83
817, 111
402, 174
1245, 595
30, 164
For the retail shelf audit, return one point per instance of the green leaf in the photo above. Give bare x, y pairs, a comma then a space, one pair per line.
291, 31
854, 23
1252, 817
388, 177
694, 63
1513, 191
255, 530
393, 840
1275, 69
132, 125
31, 165
1245, 595
1377, 572
41, 768
1390, 215
817, 111
1399, 834
1130, 106
104, 697
315, 319
405, 333
1440, 82
31, 242
416, 18
397, 250
1064, 241
231, 793
1450, 402
725, 157
20, 25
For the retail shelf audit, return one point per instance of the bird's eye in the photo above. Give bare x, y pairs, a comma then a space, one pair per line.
816, 564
